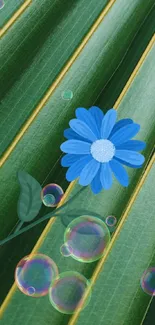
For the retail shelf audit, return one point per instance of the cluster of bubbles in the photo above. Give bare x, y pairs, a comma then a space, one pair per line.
86, 239
148, 281
51, 195
37, 275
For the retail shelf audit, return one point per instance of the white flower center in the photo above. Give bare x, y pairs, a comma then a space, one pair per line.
102, 150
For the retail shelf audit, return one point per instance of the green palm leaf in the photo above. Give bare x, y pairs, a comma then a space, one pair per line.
134, 104
99, 71
38, 151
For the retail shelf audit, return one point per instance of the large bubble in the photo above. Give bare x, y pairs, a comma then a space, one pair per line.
34, 274
86, 239
70, 290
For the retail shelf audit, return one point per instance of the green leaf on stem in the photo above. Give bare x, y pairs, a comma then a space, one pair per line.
29, 202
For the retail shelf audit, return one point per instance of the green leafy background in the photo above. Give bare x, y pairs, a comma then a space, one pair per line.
10, 7
96, 77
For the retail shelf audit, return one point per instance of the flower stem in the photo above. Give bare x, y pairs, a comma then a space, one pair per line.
15, 234
47, 216
19, 226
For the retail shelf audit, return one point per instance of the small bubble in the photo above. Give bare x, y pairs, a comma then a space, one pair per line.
65, 250
111, 221
51, 195
67, 94
31, 291
49, 200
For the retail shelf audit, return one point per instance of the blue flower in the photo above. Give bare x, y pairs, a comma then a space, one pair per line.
98, 146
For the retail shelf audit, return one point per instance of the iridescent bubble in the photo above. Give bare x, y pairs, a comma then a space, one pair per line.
2, 4
148, 281
66, 250
51, 195
67, 94
88, 238
111, 221
34, 274
68, 292
31, 291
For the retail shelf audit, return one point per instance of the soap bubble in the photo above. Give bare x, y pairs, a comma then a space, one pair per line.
148, 281
66, 250
51, 195
2, 4
31, 291
111, 221
34, 274
87, 238
67, 94
68, 292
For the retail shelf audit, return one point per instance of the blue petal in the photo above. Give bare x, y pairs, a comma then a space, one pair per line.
70, 134
134, 145
131, 157
120, 124
96, 185
82, 129
76, 147
124, 134
106, 176
119, 172
89, 172
108, 123
69, 159
85, 116
76, 168
97, 115
127, 164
